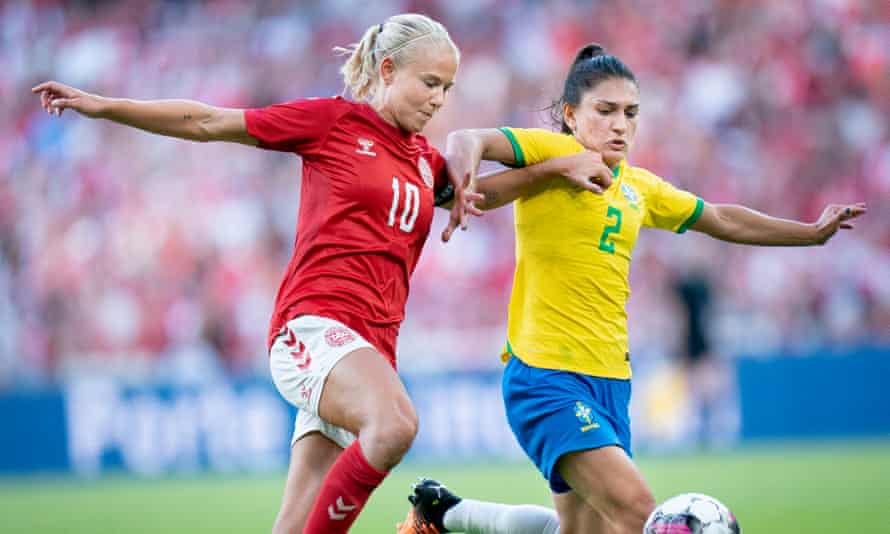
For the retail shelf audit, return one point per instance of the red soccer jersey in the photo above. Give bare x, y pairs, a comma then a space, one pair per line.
366, 204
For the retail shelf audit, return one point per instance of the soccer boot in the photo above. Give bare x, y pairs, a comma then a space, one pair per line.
431, 500
413, 525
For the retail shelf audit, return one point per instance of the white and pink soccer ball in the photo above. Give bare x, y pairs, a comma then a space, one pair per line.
692, 513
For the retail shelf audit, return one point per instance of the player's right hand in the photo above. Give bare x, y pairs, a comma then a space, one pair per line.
587, 170
836, 217
56, 97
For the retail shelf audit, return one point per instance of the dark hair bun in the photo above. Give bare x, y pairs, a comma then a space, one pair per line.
589, 51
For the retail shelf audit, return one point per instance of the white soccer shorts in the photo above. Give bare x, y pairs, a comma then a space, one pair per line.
302, 356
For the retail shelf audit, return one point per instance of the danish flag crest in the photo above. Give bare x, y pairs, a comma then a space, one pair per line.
425, 171
298, 352
337, 336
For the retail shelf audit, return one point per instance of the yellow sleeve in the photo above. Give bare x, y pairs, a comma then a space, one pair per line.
670, 208
534, 145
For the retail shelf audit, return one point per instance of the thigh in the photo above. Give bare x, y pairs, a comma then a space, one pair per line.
305, 353
312, 456
363, 389
607, 480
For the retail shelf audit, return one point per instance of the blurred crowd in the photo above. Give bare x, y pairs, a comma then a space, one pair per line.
153, 258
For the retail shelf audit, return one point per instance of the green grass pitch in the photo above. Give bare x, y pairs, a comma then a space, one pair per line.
772, 489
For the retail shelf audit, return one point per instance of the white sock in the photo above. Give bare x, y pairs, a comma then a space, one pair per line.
477, 517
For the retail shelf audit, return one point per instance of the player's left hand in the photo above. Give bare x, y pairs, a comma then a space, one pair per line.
465, 199
836, 217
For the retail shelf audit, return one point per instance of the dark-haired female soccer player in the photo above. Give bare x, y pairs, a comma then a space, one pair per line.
567, 384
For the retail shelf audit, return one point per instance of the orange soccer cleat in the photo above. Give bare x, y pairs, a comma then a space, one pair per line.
415, 525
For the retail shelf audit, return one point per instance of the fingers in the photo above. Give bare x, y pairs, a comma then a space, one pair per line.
55, 97
474, 197
58, 105
587, 184
454, 219
854, 210
463, 206
604, 178
45, 86
473, 210
52, 103
452, 224
460, 207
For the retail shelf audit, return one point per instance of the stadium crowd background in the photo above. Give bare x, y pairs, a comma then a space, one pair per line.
152, 259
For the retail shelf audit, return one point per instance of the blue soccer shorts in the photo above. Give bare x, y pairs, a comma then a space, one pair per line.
553, 413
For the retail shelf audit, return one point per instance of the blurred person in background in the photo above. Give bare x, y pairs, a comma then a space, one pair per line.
708, 377
567, 380
370, 182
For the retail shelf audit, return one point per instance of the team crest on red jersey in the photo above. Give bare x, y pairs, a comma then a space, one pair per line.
425, 171
337, 336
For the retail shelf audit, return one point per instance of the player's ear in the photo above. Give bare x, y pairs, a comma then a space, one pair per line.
387, 70
568, 115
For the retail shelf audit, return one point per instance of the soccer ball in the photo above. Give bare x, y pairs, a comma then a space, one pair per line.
692, 513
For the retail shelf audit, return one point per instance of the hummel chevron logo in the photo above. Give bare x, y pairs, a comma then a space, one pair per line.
301, 355
342, 509
365, 147
291, 340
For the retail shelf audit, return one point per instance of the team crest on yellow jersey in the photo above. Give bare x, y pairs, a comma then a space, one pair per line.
630, 193
583, 413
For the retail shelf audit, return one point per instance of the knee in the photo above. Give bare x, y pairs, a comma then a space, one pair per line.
391, 435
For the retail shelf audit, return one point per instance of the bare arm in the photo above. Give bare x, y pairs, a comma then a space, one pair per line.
738, 224
584, 169
466, 148
185, 119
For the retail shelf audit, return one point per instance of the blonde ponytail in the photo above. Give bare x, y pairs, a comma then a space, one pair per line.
395, 38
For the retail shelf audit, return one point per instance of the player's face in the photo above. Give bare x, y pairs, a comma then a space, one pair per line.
606, 118
415, 90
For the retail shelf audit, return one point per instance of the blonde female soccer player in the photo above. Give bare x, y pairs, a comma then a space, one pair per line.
369, 184
567, 383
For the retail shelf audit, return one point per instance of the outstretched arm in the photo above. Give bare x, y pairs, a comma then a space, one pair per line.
738, 224
185, 119
466, 148
584, 169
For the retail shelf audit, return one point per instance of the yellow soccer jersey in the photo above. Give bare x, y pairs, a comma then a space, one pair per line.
573, 250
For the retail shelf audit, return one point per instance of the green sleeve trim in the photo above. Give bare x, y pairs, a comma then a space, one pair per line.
510, 349
517, 150
699, 206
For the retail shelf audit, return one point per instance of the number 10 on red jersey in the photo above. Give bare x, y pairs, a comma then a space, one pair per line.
412, 205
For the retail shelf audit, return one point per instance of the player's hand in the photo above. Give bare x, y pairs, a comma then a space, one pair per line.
587, 170
56, 97
836, 217
464, 205
461, 174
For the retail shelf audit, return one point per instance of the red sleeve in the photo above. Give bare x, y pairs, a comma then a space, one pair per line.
300, 126
442, 188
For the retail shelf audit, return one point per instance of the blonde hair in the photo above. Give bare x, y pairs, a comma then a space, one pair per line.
395, 38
